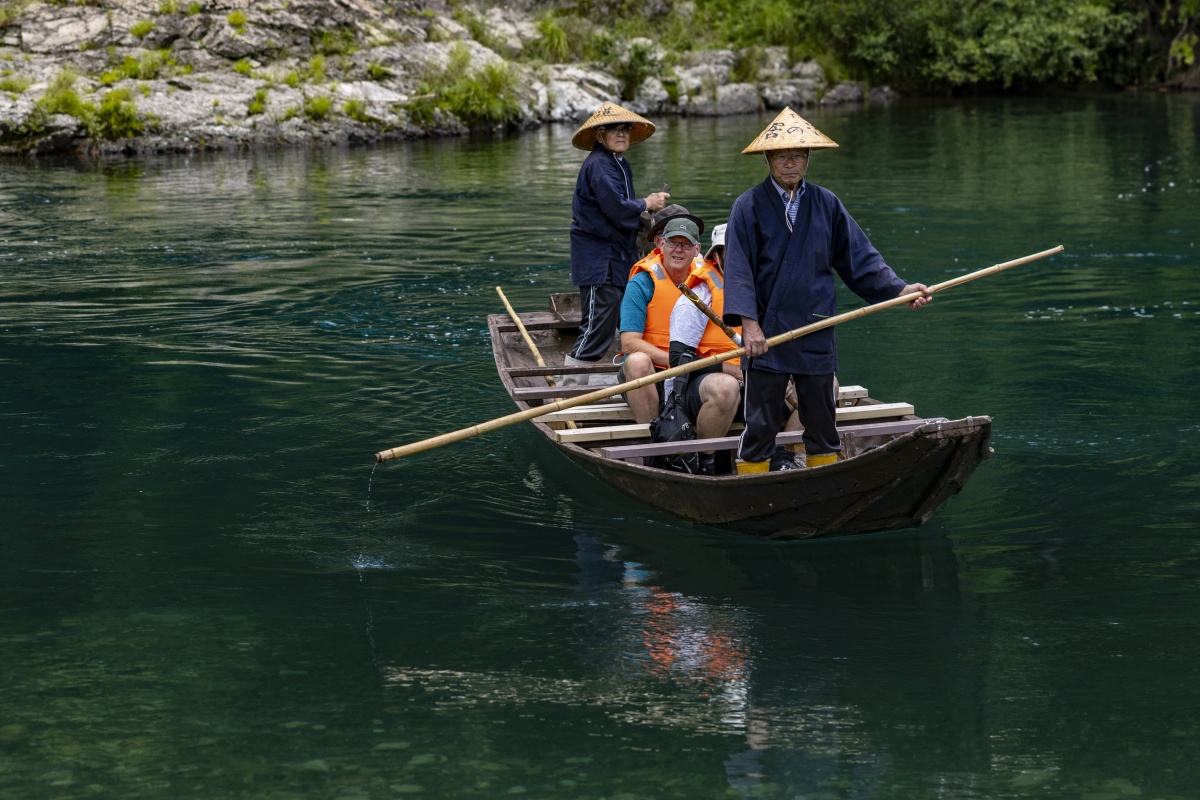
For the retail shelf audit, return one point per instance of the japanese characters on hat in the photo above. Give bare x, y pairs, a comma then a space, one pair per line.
611, 114
789, 131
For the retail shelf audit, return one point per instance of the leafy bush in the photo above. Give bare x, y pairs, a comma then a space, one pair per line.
553, 46
487, 95
259, 104
339, 41
60, 97
317, 108
14, 83
242, 67
142, 28
147, 67
357, 110
238, 20
378, 72
117, 117
316, 70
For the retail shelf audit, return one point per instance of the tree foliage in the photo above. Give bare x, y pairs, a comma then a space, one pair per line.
932, 45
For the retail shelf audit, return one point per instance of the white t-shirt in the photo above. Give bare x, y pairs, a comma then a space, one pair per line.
688, 323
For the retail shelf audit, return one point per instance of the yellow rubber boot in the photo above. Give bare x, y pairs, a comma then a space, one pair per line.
752, 467
821, 460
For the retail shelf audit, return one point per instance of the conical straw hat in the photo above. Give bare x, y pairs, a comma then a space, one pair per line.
789, 130
608, 114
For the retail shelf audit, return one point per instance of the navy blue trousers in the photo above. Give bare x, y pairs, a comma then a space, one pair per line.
764, 407
601, 306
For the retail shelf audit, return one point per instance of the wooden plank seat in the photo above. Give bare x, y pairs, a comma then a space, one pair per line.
616, 410
642, 431
625, 452
553, 369
537, 321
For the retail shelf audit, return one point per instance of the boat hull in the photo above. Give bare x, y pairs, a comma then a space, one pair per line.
891, 480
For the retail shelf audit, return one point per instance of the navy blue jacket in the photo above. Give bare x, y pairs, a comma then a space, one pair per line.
785, 280
605, 217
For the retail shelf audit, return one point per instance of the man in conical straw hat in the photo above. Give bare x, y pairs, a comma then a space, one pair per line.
785, 240
606, 213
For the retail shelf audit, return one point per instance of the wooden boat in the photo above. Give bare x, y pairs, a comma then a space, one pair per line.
899, 468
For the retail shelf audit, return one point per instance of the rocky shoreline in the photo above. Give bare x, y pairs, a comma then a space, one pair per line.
143, 76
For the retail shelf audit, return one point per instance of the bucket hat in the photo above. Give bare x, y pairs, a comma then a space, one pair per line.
718, 238
612, 114
668, 213
789, 130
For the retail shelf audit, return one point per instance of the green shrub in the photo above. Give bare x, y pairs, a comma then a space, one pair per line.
147, 67
292, 79
14, 83
193, 8
242, 67
61, 98
238, 20
317, 108
339, 41
487, 95
259, 104
142, 28
117, 117
316, 70
357, 110
553, 46
377, 72
168, 7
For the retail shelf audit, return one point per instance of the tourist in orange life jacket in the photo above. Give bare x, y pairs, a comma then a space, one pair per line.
606, 216
711, 400
649, 297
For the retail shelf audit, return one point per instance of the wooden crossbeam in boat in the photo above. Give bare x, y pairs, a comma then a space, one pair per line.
595, 412
537, 321
641, 431
624, 452
553, 369
551, 392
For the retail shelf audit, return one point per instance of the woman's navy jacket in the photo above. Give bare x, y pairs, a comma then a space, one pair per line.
784, 280
606, 213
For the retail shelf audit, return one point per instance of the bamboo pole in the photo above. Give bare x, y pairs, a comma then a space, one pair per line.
687, 292
608, 391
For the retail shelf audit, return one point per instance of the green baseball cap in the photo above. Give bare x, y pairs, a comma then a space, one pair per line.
681, 226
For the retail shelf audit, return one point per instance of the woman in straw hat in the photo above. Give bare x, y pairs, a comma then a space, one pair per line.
786, 238
606, 213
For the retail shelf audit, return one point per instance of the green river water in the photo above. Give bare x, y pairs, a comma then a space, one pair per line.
207, 589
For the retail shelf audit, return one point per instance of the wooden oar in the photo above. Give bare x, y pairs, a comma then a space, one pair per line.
609, 391
733, 335
528, 340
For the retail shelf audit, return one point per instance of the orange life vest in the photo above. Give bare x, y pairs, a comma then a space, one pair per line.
714, 339
658, 313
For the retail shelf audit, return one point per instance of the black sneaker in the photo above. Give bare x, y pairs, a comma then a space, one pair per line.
784, 460
708, 464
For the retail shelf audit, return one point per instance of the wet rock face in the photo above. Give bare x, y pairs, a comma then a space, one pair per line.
235, 73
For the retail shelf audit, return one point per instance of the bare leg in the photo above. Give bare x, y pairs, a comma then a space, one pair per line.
643, 402
719, 395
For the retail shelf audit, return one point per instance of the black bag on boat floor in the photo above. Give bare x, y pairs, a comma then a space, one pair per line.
673, 425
